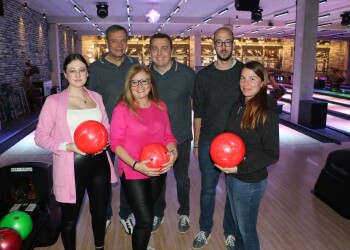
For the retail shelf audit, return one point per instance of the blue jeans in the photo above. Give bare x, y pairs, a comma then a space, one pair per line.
245, 200
182, 182
210, 179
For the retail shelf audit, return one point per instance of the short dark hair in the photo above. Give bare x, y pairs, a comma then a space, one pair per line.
115, 28
162, 35
73, 57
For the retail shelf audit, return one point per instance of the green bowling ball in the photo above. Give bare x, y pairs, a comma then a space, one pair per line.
19, 221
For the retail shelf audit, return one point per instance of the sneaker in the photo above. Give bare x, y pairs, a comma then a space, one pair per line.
201, 240
184, 224
127, 224
230, 242
108, 223
156, 223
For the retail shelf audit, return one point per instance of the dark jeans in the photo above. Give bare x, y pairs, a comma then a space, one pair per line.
210, 179
182, 182
245, 200
142, 195
124, 208
92, 173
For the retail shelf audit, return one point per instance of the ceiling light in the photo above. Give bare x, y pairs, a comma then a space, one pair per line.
76, 7
87, 18
168, 19
323, 16
279, 33
102, 10
255, 31
176, 10
324, 24
153, 16
44, 16
208, 19
290, 23
25, 5
222, 11
281, 14
322, 1
271, 28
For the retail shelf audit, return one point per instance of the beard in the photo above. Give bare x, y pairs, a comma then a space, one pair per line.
226, 58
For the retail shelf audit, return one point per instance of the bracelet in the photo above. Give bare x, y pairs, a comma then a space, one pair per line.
195, 147
133, 165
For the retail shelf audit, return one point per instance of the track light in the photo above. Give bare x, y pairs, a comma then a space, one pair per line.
257, 15
44, 16
102, 10
25, 5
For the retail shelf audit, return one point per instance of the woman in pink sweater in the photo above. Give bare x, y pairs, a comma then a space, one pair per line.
75, 172
139, 119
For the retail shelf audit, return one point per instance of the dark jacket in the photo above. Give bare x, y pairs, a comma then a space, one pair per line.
262, 143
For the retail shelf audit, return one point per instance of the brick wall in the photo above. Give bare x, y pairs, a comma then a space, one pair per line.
24, 37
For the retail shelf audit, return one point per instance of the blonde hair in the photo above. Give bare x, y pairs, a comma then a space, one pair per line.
127, 97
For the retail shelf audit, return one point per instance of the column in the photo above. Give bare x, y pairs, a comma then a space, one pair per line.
304, 53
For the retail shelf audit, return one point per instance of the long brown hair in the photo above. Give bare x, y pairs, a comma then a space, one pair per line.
256, 107
128, 98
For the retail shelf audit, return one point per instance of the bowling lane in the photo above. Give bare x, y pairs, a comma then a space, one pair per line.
331, 106
332, 121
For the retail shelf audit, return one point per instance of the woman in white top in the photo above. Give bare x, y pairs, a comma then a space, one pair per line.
75, 172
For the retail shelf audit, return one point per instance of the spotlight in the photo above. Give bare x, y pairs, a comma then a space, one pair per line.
345, 18
102, 10
257, 15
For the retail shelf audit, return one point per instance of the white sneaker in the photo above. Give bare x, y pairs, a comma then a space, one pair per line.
108, 223
127, 224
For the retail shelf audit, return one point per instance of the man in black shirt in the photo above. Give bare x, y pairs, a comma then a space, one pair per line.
216, 89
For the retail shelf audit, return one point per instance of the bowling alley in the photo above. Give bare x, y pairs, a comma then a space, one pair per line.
66, 66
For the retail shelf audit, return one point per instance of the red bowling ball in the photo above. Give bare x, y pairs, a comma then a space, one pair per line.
91, 137
227, 150
10, 239
155, 152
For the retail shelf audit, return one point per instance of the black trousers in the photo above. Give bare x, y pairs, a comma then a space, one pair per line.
141, 196
92, 174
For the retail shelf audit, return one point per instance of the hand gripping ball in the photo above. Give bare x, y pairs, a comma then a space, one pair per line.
91, 137
155, 152
227, 150
19, 221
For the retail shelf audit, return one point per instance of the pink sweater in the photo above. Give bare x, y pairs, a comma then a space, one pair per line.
134, 132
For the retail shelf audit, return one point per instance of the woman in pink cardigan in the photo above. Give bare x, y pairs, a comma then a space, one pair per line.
74, 172
139, 119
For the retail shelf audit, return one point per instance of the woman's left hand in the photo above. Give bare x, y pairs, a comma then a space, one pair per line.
227, 170
104, 149
168, 165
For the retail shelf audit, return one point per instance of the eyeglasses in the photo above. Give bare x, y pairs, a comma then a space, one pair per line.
219, 43
73, 72
135, 83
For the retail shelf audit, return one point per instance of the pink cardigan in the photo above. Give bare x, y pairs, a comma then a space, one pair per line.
134, 132
51, 131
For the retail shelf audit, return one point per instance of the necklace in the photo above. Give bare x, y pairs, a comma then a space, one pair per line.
79, 97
